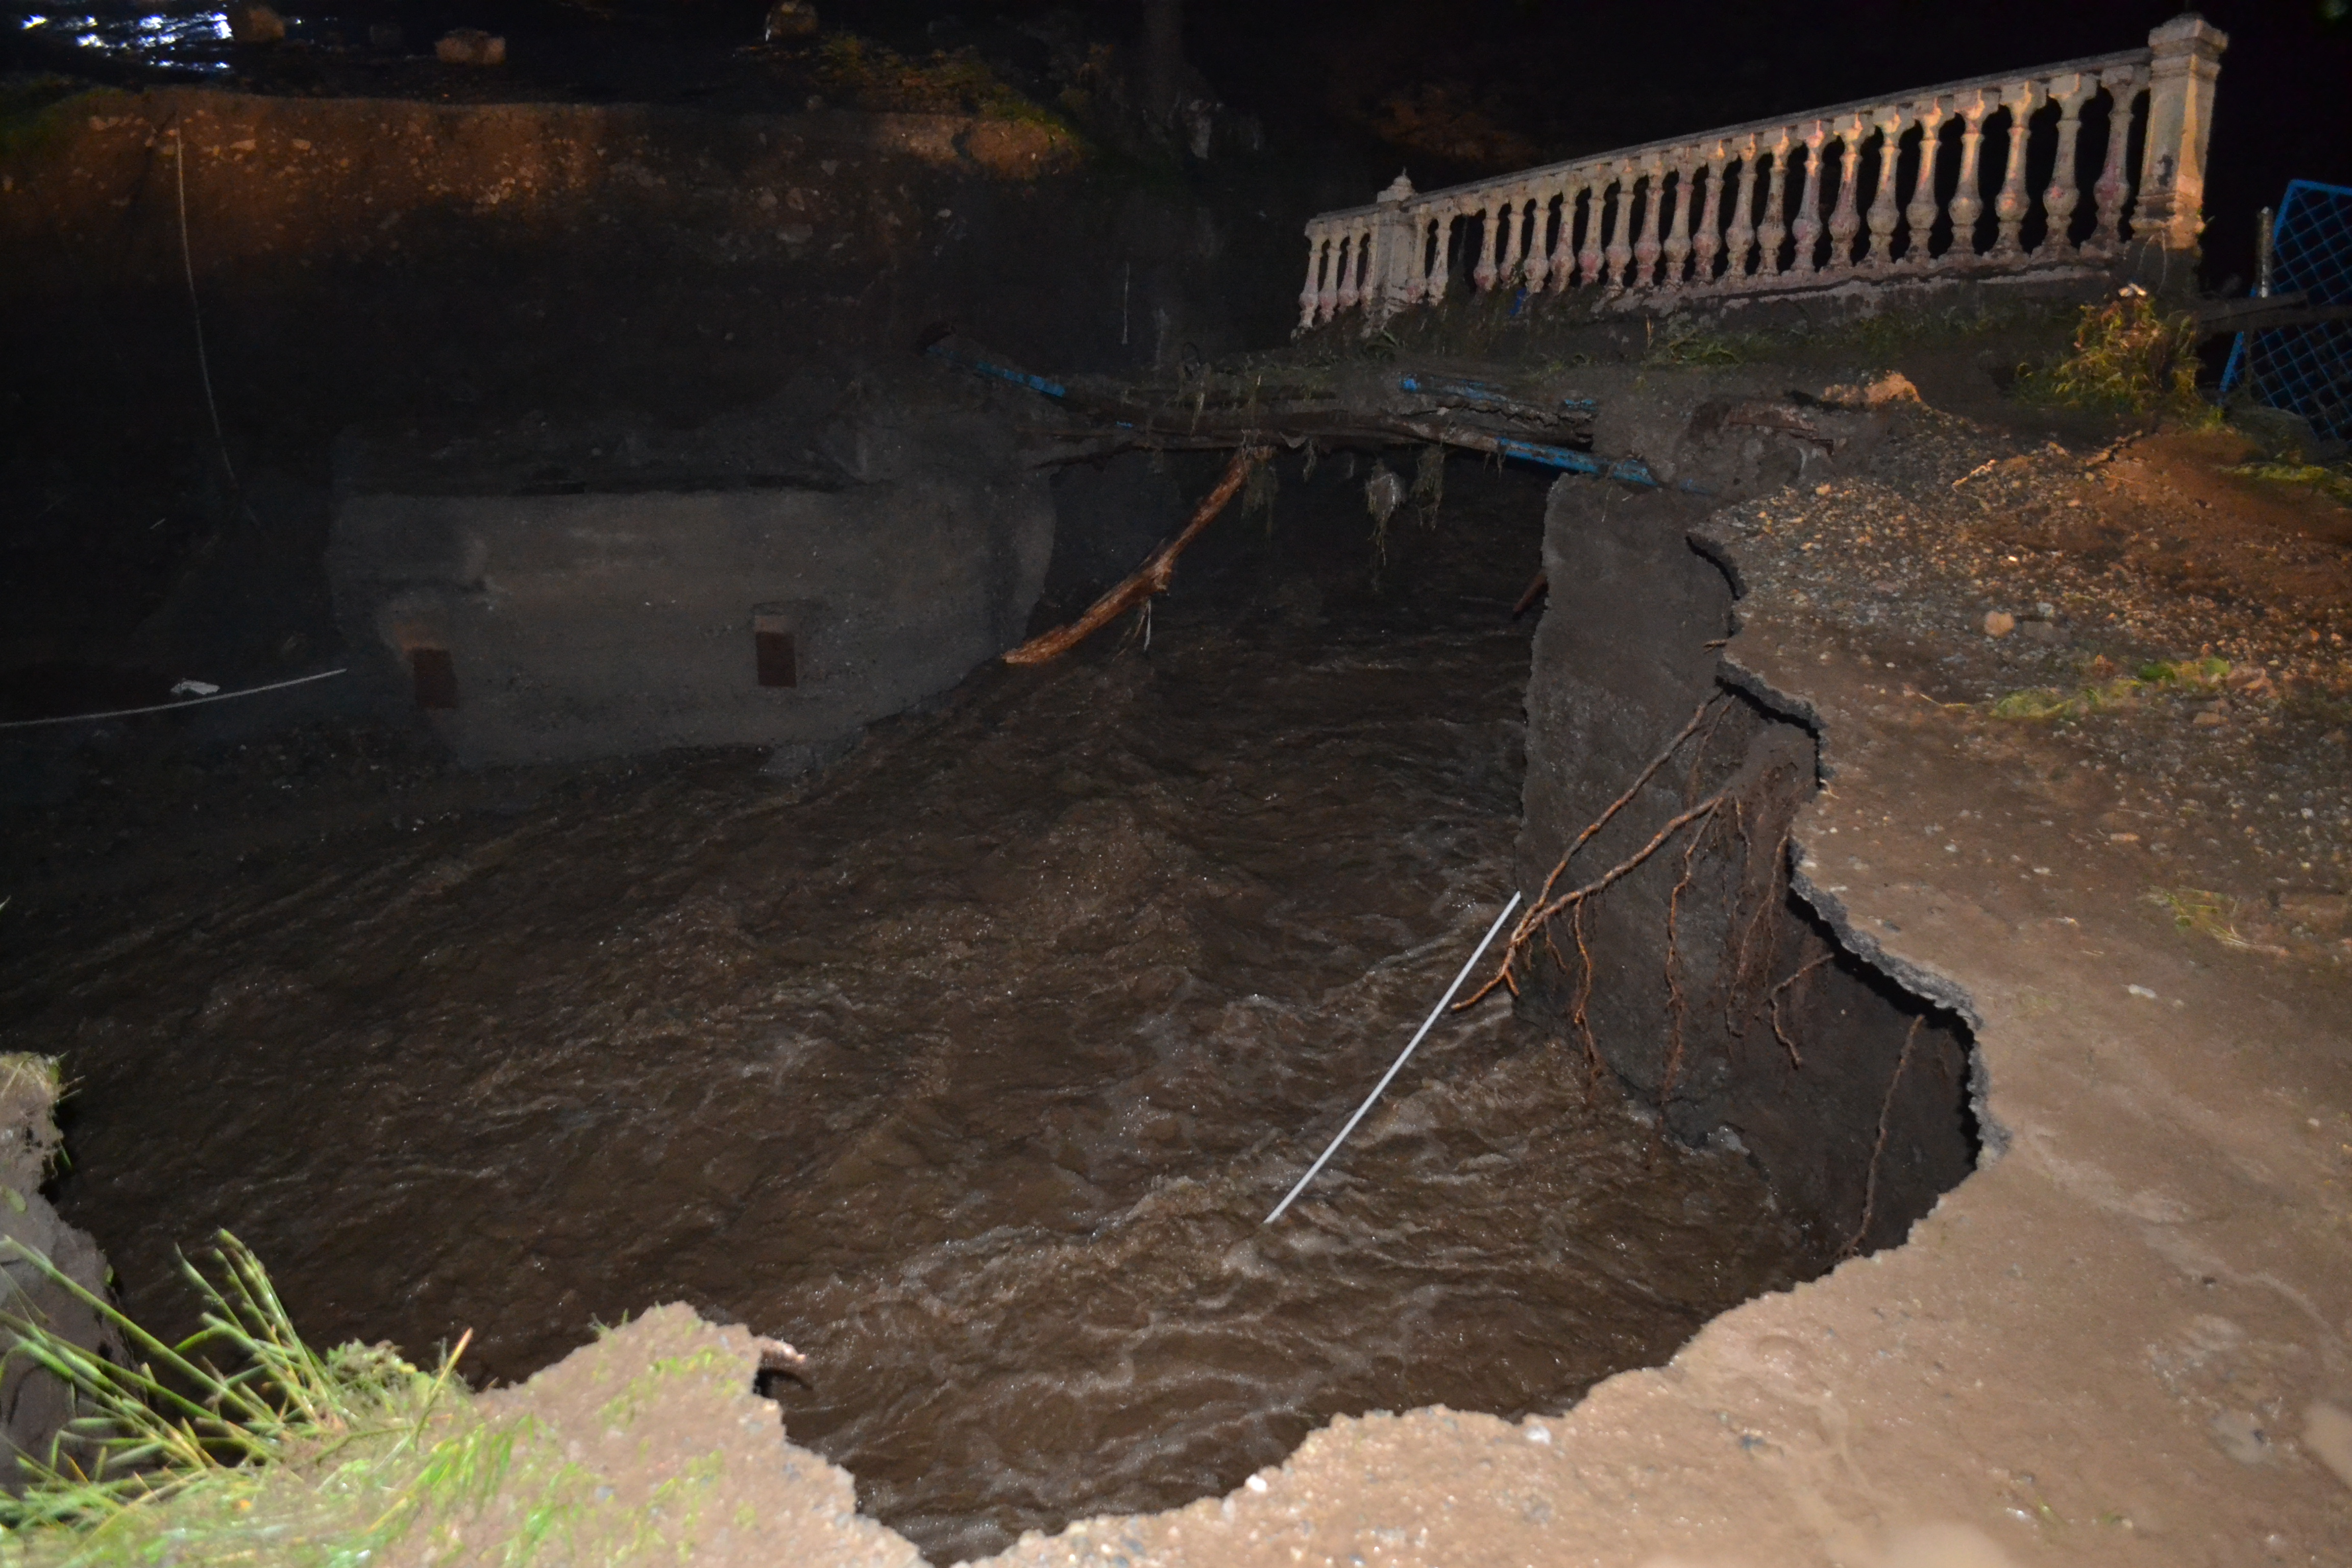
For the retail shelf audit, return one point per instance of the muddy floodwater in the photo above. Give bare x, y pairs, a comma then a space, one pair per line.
970, 1068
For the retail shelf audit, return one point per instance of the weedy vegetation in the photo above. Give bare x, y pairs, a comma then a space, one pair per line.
2158, 678
2128, 357
2332, 481
2207, 913
244, 1444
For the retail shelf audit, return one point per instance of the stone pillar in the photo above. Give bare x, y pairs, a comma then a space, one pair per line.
2186, 59
1395, 264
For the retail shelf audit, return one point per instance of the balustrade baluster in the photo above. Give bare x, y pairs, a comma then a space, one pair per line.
1563, 249
2124, 85
2070, 92
1808, 226
1506, 266
1967, 198
1678, 240
1773, 229
1740, 236
1706, 242
1596, 211
1845, 220
1645, 249
1891, 121
2021, 99
1442, 240
1309, 296
1535, 260
1919, 217
1490, 243
1348, 266
1618, 254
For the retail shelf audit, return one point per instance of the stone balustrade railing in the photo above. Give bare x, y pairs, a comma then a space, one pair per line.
1878, 190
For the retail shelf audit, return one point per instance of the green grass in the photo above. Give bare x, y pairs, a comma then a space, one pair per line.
2158, 678
244, 1444
2335, 482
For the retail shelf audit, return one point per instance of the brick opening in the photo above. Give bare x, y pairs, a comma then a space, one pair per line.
436, 677
776, 655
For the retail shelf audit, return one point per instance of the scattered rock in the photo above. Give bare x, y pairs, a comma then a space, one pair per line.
1999, 623
2252, 679
250, 22
789, 20
471, 47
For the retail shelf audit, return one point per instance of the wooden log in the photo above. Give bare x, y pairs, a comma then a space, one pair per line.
1151, 579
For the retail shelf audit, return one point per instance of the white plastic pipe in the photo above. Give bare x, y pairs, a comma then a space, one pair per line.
1426, 1025
171, 707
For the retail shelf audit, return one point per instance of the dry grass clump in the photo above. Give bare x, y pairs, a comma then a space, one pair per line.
2128, 356
1693, 342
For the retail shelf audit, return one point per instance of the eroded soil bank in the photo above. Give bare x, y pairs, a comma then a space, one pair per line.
970, 1071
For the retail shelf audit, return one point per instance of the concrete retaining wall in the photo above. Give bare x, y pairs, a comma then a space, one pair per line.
782, 609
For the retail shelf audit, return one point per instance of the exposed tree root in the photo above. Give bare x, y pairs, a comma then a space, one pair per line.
1541, 912
1677, 1005
1624, 800
1533, 922
1772, 1001
1886, 1116
1576, 1014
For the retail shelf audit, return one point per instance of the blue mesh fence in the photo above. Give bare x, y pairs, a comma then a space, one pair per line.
2306, 370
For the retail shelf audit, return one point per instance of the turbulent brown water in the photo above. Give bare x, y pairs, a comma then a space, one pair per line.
971, 1070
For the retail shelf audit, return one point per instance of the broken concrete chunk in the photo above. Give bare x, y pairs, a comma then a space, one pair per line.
471, 47
1999, 623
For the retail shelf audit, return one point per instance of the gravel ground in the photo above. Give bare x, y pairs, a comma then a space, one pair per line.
2169, 636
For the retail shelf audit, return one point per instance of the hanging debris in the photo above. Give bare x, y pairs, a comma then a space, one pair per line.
1429, 482
1383, 493
1258, 492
